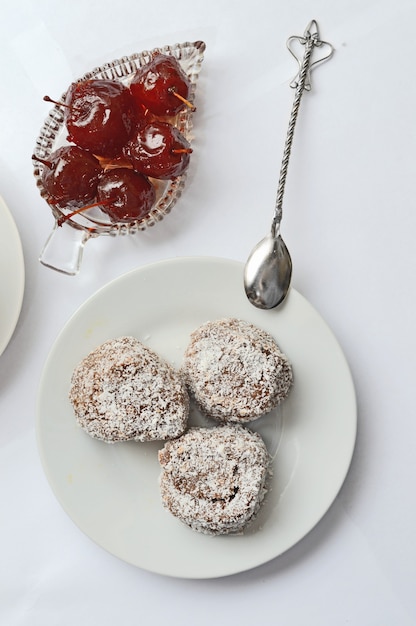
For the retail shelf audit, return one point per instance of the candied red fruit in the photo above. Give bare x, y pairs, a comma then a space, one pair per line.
70, 174
100, 116
125, 195
161, 86
159, 150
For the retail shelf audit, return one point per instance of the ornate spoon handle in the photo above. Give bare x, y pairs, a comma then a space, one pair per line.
301, 83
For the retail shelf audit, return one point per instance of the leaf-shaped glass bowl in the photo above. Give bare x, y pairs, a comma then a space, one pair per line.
64, 246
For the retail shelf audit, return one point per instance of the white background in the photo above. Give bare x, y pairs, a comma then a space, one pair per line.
349, 222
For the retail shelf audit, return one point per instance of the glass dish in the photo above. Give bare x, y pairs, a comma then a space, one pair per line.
64, 246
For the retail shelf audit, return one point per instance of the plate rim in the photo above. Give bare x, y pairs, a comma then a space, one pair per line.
17, 266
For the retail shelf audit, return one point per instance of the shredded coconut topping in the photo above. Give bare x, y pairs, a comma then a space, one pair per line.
235, 371
214, 479
124, 391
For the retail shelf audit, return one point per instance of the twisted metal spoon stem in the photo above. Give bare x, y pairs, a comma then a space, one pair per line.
310, 41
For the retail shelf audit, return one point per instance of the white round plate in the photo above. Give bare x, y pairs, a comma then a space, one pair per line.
111, 490
12, 275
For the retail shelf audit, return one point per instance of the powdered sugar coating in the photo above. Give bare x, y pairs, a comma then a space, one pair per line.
235, 371
214, 479
124, 391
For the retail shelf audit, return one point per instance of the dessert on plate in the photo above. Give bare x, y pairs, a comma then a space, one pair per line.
235, 371
122, 390
214, 479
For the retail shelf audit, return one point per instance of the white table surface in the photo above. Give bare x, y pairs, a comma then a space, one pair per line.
350, 223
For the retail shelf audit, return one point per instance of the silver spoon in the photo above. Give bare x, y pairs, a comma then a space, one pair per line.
268, 270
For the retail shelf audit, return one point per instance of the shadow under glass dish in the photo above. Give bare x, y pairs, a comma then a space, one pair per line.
64, 246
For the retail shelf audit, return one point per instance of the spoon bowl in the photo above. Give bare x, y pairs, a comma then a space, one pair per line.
268, 273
